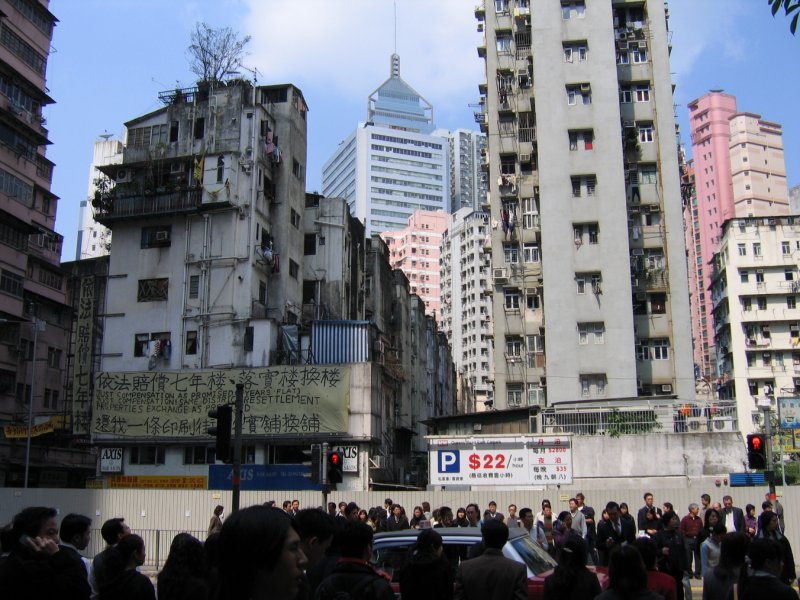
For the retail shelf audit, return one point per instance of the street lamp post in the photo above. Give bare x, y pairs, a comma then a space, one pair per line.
38, 325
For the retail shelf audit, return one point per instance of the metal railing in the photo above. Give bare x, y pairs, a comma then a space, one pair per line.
640, 417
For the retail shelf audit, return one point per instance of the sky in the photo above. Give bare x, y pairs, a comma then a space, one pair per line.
110, 58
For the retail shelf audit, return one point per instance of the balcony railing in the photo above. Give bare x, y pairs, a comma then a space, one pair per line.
109, 208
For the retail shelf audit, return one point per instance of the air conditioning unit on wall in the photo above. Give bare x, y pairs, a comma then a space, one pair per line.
723, 424
696, 424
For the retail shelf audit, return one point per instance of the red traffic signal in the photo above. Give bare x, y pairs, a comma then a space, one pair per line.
335, 464
757, 451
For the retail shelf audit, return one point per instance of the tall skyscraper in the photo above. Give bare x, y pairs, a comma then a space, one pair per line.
468, 183
392, 165
94, 239
739, 172
589, 283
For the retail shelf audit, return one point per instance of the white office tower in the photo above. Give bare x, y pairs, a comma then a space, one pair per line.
589, 286
392, 165
94, 239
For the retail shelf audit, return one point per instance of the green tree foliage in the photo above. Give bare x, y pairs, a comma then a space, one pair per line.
789, 7
215, 52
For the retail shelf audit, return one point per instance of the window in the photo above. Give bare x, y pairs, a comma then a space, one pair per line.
512, 299
791, 302
643, 93
54, 357
511, 253
573, 142
576, 187
580, 284
759, 276
199, 455
514, 394
572, 96
199, 128
194, 286
786, 248
595, 331
622, 57
294, 269
310, 244
567, 53
575, 9
742, 249
762, 302
513, 347
23, 50
173, 131
152, 290
220, 169
156, 237
638, 56
647, 174
11, 283
500, 6
646, 132
658, 304
297, 169
756, 249
660, 349
588, 140
294, 217
593, 385
625, 96
503, 43
147, 455
788, 275
591, 185
744, 276
191, 342
594, 233
141, 341
530, 253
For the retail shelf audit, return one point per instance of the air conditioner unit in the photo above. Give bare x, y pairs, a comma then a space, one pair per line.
162, 236
525, 158
629, 124
532, 291
477, 426
177, 168
666, 388
586, 87
723, 424
499, 274
622, 45
123, 176
642, 45
622, 35
696, 424
638, 252
641, 296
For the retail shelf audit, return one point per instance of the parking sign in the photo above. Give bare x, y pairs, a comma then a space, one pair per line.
449, 461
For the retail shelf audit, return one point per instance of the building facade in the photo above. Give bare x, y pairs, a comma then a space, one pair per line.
588, 258
468, 183
34, 316
392, 165
94, 239
755, 289
739, 171
466, 309
415, 250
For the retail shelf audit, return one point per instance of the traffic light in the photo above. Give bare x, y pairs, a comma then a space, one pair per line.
222, 431
757, 451
335, 460
314, 463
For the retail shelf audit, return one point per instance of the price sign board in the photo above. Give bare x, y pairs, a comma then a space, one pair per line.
500, 460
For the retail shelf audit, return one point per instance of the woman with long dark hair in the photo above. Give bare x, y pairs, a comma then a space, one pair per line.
184, 574
769, 528
627, 577
461, 518
427, 575
122, 580
718, 581
259, 556
571, 580
416, 518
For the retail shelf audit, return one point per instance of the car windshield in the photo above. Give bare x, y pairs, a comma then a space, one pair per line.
538, 560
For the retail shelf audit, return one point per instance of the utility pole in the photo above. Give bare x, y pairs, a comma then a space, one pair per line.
769, 473
237, 446
37, 324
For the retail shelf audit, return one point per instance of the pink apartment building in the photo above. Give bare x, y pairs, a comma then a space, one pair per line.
415, 250
739, 171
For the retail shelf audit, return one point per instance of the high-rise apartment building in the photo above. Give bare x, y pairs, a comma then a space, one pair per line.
415, 250
755, 289
34, 315
94, 239
392, 165
589, 285
468, 183
739, 172
466, 309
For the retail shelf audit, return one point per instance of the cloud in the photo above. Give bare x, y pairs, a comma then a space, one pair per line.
344, 46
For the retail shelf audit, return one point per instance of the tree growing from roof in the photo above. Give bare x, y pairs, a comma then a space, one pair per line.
789, 7
215, 52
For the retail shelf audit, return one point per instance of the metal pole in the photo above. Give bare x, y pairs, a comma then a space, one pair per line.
237, 446
35, 323
768, 429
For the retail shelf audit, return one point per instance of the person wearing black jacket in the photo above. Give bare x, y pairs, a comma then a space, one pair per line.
671, 553
427, 575
613, 533
769, 528
353, 574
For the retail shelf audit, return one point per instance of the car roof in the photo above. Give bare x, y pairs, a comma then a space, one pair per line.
465, 532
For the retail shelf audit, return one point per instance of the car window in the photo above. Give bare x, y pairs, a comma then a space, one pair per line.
390, 557
538, 560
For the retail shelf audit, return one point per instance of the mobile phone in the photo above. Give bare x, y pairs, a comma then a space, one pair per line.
25, 541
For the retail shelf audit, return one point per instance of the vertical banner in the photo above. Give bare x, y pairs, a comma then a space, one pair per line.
82, 362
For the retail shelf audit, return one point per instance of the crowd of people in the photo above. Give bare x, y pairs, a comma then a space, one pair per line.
267, 552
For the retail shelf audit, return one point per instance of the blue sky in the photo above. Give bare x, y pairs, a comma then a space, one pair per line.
110, 58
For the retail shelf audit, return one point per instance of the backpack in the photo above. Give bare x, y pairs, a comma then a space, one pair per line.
363, 591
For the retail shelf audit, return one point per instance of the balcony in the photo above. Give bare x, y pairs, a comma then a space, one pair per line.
109, 208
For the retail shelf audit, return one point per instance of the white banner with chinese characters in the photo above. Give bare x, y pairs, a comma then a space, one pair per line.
500, 460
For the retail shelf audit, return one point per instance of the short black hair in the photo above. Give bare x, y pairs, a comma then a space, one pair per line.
29, 521
524, 512
761, 550
73, 524
648, 549
313, 522
495, 534
112, 529
706, 497
354, 539
612, 505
